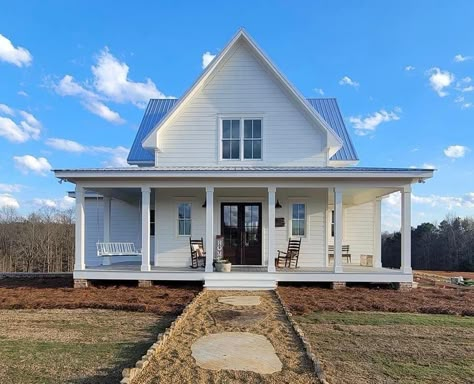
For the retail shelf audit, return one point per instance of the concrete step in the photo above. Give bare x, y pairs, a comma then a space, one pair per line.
244, 281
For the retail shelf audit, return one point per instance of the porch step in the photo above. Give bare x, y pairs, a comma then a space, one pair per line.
240, 281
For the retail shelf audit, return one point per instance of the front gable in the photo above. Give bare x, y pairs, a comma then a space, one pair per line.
241, 82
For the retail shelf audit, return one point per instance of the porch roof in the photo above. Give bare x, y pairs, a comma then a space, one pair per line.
413, 174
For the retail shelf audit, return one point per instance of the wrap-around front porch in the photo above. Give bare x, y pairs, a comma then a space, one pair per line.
255, 221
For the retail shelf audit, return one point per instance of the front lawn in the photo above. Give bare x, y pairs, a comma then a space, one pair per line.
73, 346
362, 347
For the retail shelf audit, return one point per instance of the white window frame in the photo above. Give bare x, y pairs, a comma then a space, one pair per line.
241, 118
306, 226
190, 218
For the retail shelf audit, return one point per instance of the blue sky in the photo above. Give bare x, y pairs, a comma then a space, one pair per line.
75, 77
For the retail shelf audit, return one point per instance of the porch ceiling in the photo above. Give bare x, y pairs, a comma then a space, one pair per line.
356, 196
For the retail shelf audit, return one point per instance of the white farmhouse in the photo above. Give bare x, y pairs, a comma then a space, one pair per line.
245, 158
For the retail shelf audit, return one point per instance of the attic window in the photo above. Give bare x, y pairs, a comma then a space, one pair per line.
241, 139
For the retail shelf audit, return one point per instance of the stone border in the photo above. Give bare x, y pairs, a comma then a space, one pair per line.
318, 369
129, 374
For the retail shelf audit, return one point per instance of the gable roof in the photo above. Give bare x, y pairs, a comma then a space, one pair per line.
334, 142
157, 109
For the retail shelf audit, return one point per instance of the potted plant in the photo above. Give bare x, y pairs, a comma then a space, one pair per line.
223, 265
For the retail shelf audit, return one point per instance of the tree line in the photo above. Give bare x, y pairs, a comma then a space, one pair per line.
447, 246
43, 241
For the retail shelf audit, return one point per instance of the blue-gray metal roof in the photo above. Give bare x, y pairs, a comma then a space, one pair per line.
158, 108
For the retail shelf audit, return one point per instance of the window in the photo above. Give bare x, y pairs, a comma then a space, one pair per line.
252, 139
298, 219
152, 222
184, 219
231, 139
241, 139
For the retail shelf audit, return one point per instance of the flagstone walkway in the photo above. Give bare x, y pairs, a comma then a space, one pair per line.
232, 337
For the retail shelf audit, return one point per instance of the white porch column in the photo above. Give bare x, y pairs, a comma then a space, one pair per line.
80, 263
146, 229
107, 204
209, 228
155, 256
271, 229
337, 230
406, 230
378, 232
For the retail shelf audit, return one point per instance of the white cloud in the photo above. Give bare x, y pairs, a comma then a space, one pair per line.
460, 58
22, 93
346, 80
409, 68
11, 131
31, 125
6, 110
7, 200
65, 202
439, 80
45, 203
364, 125
319, 90
428, 166
28, 127
207, 57
10, 188
456, 151
18, 56
469, 88
28, 163
65, 145
459, 99
111, 79
89, 99
117, 155
447, 202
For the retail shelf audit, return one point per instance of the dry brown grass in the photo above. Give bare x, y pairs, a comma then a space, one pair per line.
53, 293
77, 346
175, 363
307, 299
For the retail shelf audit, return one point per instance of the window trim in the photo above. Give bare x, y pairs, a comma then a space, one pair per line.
241, 118
290, 221
190, 218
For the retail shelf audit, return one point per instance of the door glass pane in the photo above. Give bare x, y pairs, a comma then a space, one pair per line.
234, 216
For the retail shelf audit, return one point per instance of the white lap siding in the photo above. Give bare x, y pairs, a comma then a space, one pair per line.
125, 227
358, 230
173, 250
313, 245
242, 87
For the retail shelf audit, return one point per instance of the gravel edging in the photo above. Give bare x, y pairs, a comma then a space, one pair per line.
317, 366
129, 374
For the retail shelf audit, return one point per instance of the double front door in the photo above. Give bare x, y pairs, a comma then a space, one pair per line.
241, 225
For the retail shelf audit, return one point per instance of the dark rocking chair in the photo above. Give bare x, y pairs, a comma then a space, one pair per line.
198, 255
291, 255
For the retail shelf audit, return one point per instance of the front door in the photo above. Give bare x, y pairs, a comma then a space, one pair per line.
241, 225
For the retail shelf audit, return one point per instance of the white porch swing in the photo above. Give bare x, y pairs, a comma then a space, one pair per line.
109, 248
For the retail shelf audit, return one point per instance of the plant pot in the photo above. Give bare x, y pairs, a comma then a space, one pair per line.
223, 267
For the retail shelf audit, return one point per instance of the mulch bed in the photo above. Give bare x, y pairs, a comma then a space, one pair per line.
306, 299
49, 293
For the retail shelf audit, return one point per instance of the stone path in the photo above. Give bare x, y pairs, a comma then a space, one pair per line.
232, 337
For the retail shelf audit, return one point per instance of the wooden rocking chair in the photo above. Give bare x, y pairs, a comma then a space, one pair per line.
198, 255
291, 255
